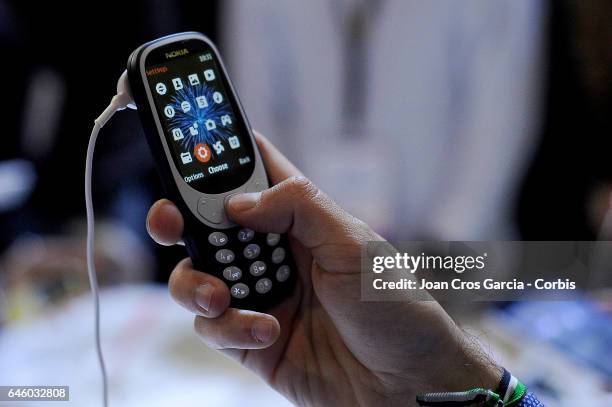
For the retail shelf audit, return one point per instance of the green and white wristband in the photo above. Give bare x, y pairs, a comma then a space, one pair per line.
509, 393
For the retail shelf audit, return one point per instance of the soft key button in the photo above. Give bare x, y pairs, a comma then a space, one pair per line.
211, 210
255, 186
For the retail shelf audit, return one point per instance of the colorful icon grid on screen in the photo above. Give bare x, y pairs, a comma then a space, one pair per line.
201, 114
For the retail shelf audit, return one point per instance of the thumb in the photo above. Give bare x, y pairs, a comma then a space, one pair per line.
296, 206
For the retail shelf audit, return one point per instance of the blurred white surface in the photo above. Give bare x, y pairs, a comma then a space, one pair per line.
152, 353
451, 99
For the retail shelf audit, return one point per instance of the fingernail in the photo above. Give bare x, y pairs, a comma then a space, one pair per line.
203, 296
262, 331
242, 202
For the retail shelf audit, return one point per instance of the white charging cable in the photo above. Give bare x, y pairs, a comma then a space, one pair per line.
120, 101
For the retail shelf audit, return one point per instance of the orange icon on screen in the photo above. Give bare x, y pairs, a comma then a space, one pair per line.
202, 152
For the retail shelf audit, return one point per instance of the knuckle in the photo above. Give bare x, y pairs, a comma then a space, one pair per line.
173, 283
301, 187
209, 334
362, 227
203, 332
177, 278
199, 326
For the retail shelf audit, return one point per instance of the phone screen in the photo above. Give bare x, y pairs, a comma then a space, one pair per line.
203, 125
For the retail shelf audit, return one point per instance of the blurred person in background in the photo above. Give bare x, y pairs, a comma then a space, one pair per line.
424, 117
418, 116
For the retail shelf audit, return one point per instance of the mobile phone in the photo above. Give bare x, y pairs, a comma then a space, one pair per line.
204, 150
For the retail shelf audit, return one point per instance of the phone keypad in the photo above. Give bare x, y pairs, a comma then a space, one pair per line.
258, 268
251, 251
251, 263
232, 273
246, 235
278, 255
217, 239
225, 256
272, 239
263, 285
282, 274
239, 290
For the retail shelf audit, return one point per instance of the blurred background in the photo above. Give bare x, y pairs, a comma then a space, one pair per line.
471, 120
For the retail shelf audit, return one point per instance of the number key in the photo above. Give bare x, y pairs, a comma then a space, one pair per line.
278, 255
251, 251
232, 273
258, 268
225, 256
239, 290
263, 285
245, 235
217, 239
272, 239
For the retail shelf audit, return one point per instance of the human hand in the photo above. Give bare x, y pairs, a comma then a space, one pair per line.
323, 346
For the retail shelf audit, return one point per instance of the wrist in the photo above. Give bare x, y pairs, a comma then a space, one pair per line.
462, 365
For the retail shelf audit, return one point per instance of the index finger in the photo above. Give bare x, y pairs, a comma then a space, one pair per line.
279, 168
164, 220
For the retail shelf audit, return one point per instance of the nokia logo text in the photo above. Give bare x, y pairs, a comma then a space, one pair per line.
177, 53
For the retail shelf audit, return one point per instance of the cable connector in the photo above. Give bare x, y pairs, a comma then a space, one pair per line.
123, 99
